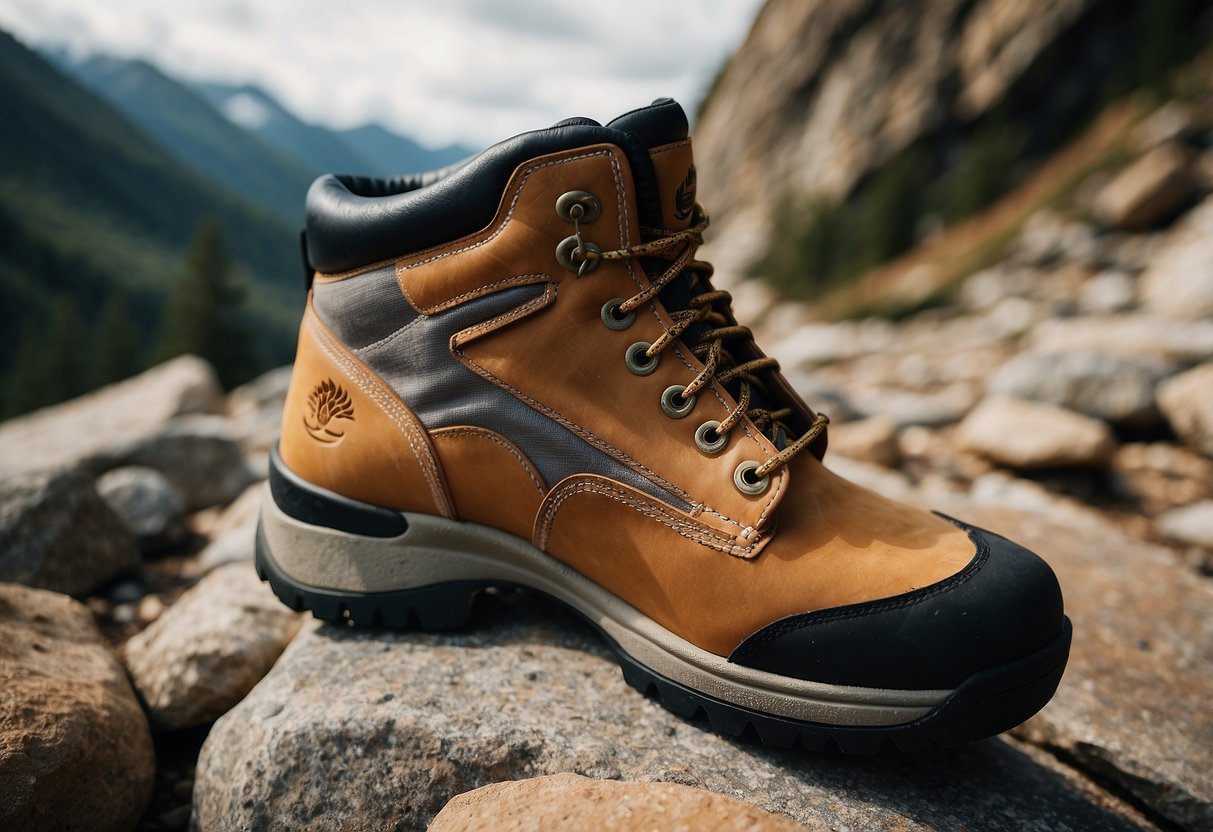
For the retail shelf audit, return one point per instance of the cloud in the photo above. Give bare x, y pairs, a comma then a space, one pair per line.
473, 71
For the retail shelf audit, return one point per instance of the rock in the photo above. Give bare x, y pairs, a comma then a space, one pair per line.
1179, 280
1034, 436
75, 750
871, 440
1133, 706
1109, 291
1112, 388
570, 801
1149, 191
244, 510
1048, 239
820, 395
1189, 524
234, 546
378, 730
1161, 476
198, 454
831, 117
148, 504
77, 430
892, 484
825, 343
57, 533
256, 408
1132, 336
1187, 402
202, 655
1174, 121
906, 408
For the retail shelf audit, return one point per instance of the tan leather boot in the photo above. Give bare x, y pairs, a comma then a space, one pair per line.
516, 373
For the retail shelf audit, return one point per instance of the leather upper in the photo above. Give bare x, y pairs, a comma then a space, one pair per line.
796, 580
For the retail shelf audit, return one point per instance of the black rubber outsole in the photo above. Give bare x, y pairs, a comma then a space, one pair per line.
985, 704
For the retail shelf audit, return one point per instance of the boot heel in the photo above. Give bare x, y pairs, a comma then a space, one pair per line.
441, 606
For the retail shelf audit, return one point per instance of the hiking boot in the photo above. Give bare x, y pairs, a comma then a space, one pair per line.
516, 373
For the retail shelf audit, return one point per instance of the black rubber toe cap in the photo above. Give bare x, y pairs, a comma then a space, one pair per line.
1003, 606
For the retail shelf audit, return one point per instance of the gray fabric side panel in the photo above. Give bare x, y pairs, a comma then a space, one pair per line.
364, 309
417, 363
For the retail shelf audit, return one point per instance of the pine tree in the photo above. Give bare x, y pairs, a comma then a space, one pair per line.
66, 356
27, 388
117, 353
203, 311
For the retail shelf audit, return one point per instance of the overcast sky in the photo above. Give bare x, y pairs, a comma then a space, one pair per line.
470, 71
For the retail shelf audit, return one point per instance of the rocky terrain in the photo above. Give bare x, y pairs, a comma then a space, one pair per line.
1059, 391
1063, 396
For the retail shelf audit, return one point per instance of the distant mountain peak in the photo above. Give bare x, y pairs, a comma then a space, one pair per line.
247, 110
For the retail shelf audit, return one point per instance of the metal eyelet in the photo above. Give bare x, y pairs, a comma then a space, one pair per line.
610, 315
569, 254
743, 478
703, 437
578, 206
671, 407
639, 363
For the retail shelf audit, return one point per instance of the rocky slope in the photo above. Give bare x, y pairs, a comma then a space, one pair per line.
836, 99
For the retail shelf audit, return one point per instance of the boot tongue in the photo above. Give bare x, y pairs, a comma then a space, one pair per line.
662, 127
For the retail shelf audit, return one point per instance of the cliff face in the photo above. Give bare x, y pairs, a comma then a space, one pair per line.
823, 93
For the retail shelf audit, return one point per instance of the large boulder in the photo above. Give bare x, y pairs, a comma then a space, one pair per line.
571, 802
198, 454
80, 429
1179, 281
207, 651
1187, 402
256, 408
57, 533
1030, 436
378, 730
1131, 336
147, 502
75, 750
1108, 387
1150, 190
821, 95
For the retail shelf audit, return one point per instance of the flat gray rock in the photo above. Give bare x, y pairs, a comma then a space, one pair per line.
57, 533
65, 434
372, 729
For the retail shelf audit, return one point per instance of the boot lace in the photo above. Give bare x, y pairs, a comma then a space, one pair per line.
678, 247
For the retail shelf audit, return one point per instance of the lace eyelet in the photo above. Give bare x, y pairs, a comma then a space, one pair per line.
743, 478
671, 407
610, 315
639, 363
704, 437
578, 206
569, 254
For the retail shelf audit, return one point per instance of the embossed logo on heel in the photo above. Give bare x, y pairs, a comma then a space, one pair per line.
328, 403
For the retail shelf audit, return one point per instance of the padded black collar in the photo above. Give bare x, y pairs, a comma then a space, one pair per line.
354, 221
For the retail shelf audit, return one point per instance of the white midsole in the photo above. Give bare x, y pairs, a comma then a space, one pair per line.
435, 550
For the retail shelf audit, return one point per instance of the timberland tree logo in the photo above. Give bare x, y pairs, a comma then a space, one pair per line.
328, 404
684, 197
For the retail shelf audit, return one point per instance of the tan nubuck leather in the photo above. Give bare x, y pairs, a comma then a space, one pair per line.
489, 391
811, 541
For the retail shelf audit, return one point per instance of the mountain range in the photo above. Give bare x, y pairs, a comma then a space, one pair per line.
109, 167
